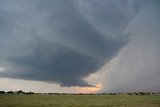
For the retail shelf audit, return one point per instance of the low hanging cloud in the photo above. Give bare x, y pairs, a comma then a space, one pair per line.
61, 41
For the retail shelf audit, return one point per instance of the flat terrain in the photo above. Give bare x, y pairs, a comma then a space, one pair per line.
45, 100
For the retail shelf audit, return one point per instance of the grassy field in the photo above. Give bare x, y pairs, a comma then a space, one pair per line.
45, 100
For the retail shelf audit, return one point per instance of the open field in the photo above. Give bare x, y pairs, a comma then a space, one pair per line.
45, 100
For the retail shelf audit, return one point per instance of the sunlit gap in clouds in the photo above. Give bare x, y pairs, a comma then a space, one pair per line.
88, 90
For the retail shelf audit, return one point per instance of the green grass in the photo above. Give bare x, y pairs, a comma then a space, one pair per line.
44, 100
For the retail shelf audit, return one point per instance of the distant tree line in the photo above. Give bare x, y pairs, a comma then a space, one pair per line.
142, 93
134, 93
16, 92
29, 93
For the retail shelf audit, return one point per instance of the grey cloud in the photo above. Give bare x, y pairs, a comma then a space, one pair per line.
136, 67
54, 41
111, 16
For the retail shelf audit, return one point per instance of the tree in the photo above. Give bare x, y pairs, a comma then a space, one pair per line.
10, 92
29, 93
2, 92
20, 92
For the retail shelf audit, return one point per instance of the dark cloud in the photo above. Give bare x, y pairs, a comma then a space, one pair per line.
56, 41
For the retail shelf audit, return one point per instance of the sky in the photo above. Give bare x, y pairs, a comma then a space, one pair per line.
80, 46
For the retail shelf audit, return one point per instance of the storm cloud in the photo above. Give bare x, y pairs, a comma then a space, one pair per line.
61, 41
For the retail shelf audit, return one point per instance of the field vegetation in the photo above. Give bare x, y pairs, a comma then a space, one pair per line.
21, 99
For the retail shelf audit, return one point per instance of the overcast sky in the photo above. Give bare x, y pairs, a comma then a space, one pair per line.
80, 46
